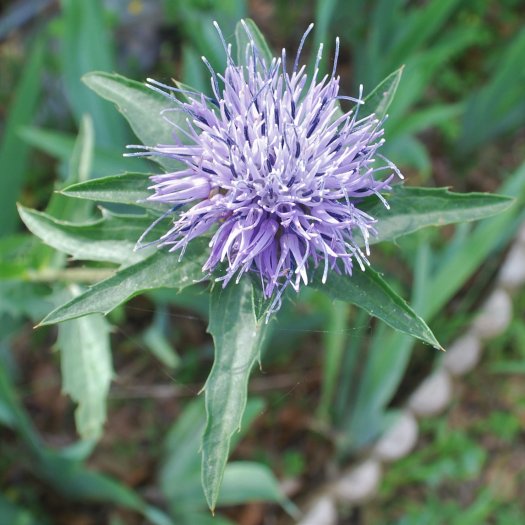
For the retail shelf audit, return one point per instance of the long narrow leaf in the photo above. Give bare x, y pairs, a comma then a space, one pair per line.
85, 358
60, 145
237, 336
244, 38
380, 98
414, 208
127, 188
13, 151
110, 239
369, 291
161, 270
142, 107
87, 46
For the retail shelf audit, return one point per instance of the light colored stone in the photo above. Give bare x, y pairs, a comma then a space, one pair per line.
360, 483
433, 395
399, 439
512, 273
322, 512
463, 355
521, 234
495, 315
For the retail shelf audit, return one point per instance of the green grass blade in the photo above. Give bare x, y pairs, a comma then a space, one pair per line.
80, 165
324, 12
13, 151
334, 346
87, 46
61, 145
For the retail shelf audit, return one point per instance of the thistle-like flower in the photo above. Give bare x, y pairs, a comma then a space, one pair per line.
273, 169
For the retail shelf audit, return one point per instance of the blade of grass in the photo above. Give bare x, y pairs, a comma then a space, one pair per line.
14, 153
334, 345
87, 46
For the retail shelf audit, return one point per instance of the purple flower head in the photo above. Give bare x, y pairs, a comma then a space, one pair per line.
273, 169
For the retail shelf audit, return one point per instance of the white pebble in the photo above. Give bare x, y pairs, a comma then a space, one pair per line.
463, 355
433, 395
521, 234
322, 512
495, 315
360, 483
512, 273
399, 439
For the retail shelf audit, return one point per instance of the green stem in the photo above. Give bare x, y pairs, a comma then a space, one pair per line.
334, 343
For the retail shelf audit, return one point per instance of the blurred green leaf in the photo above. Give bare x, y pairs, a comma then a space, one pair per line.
161, 270
334, 344
421, 69
74, 481
127, 188
369, 291
182, 458
419, 26
16, 515
86, 46
80, 165
67, 476
154, 337
193, 20
244, 35
248, 481
408, 151
17, 416
193, 73
324, 13
498, 106
454, 271
422, 119
13, 151
24, 299
237, 337
142, 107
85, 358
61, 145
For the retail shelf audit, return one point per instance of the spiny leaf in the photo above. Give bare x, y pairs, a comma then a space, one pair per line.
142, 107
126, 188
414, 208
369, 291
85, 358
237, 337
379, 99
109, 239
161, 270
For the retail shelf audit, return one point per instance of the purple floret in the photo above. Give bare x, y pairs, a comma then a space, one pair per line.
274, 170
